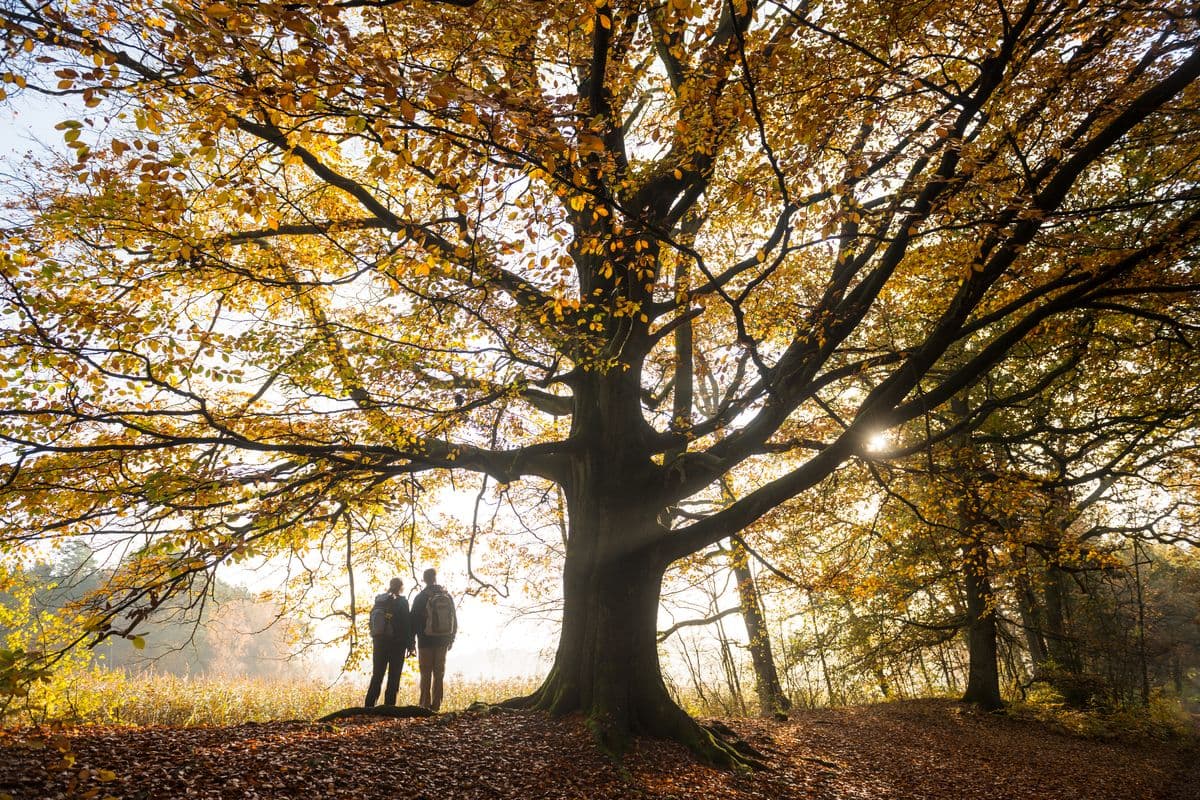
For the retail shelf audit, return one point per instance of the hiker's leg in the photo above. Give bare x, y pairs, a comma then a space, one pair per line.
395, 665
425, 664
379, 659
439, 669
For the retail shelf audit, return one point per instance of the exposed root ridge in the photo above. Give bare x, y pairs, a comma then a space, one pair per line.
519, 703
395, 712
716, 744
730, 737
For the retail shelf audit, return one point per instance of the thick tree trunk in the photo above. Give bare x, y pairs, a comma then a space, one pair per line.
983, 672
606, 666
983, 668
772, 701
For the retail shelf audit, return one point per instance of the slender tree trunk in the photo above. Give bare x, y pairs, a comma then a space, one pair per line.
929, 682
1031, 626
1014, 667
820, 640
1143, 664
1058, 641
809, 695
737, 701
881, 681
694, 671
947, 673
772, 701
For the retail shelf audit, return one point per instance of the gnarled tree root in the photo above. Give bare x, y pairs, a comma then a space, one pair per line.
719, 746
716, 744
731, 737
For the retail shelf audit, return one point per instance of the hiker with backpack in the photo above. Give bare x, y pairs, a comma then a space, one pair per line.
391, 641
435, 621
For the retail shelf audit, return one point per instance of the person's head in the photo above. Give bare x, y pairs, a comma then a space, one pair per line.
430, 576
396, 586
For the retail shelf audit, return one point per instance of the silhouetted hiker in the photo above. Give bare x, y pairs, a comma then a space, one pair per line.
434, 620
391, 640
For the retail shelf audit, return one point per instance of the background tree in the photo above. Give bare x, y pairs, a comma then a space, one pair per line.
1063, 489
352, 243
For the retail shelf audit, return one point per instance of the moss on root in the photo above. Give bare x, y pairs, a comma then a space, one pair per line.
610, 738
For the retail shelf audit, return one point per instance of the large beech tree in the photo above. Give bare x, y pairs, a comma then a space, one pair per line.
306, 253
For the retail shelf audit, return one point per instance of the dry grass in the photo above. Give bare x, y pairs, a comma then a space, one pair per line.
112, 697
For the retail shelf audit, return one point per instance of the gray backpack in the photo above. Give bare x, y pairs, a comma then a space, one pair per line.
439, 614
381, 617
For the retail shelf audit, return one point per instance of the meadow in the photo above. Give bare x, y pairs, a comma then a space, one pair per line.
116, 697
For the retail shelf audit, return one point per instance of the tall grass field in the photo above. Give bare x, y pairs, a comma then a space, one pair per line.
114, 697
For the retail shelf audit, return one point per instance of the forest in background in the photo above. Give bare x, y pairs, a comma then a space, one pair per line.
1111, 638
231, 631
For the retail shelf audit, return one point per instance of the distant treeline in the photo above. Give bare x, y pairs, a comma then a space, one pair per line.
230, 631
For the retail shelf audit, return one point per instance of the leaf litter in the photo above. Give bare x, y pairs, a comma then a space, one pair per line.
907, 751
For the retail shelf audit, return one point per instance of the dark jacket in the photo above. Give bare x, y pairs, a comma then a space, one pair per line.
418, 619
401, 637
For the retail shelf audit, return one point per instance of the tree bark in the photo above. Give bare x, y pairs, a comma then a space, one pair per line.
607, 664
1058, 641
983, 673
983, 669
1031, 625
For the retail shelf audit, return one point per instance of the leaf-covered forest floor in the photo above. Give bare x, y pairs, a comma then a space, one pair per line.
918, 749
